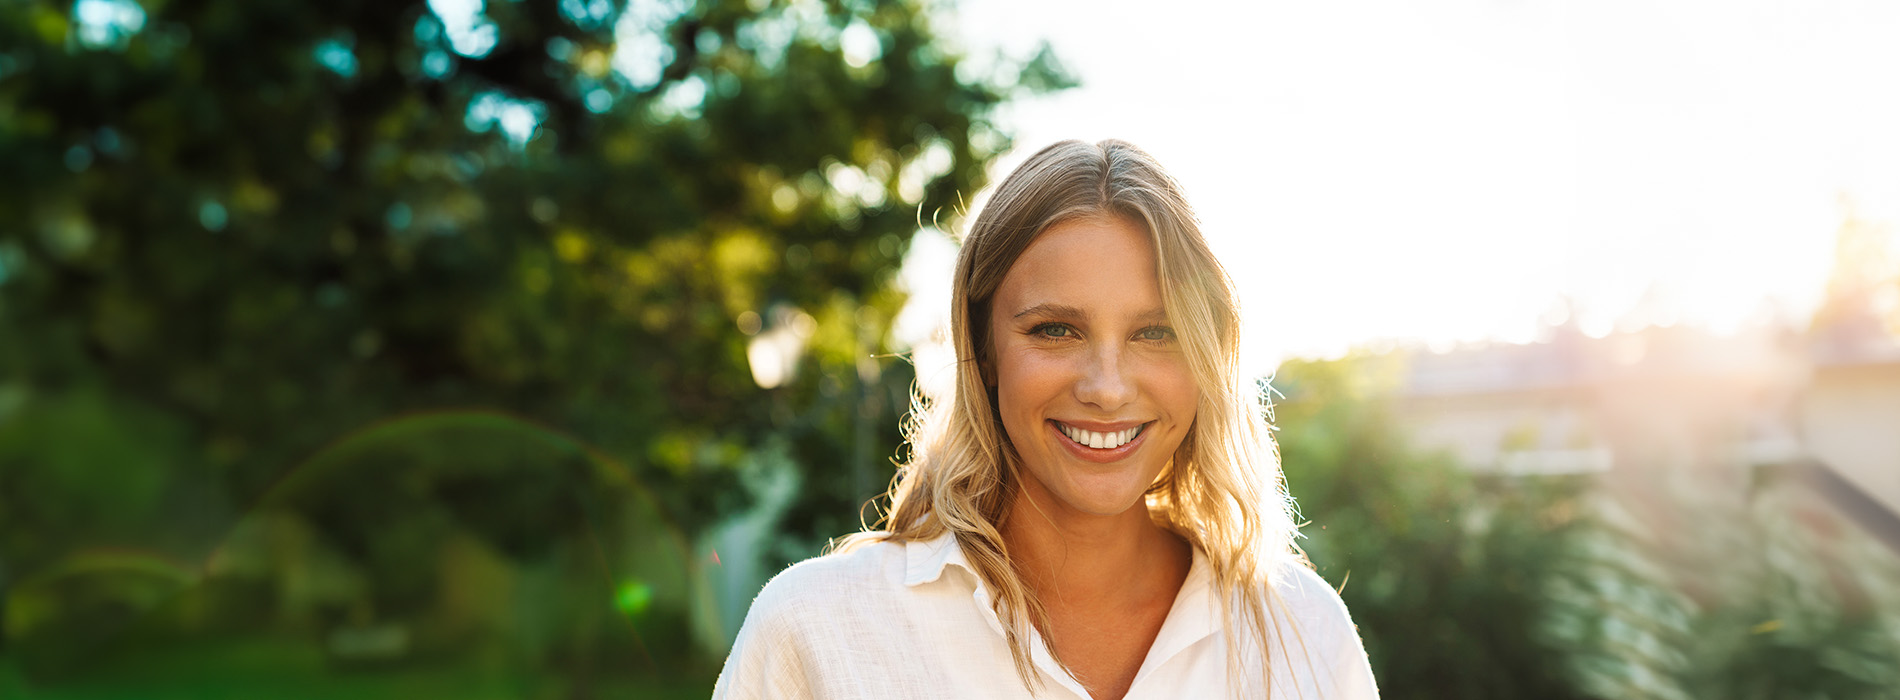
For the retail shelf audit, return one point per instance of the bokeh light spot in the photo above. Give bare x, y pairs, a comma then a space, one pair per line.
398, 216
470, 33
683, 98
633, 598
108, 141
860, 44
212, 216
517, 118
78, 158
102, 23
599, 100
641, 52
436, 64
335, 54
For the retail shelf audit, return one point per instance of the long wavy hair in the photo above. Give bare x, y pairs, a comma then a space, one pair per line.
1222, 491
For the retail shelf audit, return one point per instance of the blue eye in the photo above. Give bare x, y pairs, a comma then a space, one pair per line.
1156, 333
1052, 330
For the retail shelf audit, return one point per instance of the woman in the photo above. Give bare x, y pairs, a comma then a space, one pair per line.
1097, 510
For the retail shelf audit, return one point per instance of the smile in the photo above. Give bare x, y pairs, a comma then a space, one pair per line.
1100, 440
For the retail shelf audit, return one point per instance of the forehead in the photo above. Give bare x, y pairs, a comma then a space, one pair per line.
1105, 263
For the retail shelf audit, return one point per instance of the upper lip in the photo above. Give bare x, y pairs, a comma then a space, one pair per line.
1097, 427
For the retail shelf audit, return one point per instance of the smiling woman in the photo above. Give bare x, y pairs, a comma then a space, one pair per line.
1096, 511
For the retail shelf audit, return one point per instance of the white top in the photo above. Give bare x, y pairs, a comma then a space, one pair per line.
912, 620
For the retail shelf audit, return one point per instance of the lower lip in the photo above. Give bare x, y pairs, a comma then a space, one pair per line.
1091, 454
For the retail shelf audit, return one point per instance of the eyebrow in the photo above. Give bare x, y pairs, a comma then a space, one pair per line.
1066, 311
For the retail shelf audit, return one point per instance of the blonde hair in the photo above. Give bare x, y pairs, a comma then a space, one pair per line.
1222, 491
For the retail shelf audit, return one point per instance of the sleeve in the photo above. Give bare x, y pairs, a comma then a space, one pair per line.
766, 662
1346, 673
1351, 670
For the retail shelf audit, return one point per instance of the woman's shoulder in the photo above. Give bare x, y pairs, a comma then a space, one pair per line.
810, 610
1313, 603
1324, 629
1305, 590
823, 587
827, 626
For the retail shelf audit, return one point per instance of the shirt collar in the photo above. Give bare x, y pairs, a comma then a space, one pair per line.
1194, 616
924, 560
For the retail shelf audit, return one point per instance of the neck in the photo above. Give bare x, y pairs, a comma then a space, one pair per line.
1075, 558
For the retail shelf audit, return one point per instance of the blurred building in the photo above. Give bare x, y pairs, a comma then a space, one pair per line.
1719, 412
1849, 417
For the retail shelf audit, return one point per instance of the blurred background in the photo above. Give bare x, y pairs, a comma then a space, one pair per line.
505, 349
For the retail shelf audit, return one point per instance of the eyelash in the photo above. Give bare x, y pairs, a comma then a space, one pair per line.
1167, 334
1041, 331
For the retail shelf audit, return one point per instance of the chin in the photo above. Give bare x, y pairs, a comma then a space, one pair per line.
1103, 499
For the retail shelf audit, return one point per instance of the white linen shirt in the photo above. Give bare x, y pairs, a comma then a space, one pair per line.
912, 620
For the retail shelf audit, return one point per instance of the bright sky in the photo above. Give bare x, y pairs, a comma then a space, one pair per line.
1448, 171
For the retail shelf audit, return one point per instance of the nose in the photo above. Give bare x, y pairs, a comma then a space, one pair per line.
1106, 383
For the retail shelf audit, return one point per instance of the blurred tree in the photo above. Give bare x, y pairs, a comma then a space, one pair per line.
232, 231
1473, 585
1451, 578
1786, 596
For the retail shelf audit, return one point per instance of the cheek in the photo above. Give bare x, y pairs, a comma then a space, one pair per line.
1174, 390
1027, 380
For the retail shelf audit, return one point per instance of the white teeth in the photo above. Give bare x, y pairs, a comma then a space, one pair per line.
1100, 441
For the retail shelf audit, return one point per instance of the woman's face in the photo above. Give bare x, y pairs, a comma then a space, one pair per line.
1093, 389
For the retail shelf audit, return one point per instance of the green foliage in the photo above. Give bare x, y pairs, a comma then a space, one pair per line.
57, 469
1798, 604
1446, 574
210, 219
1641, 583
353, 293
